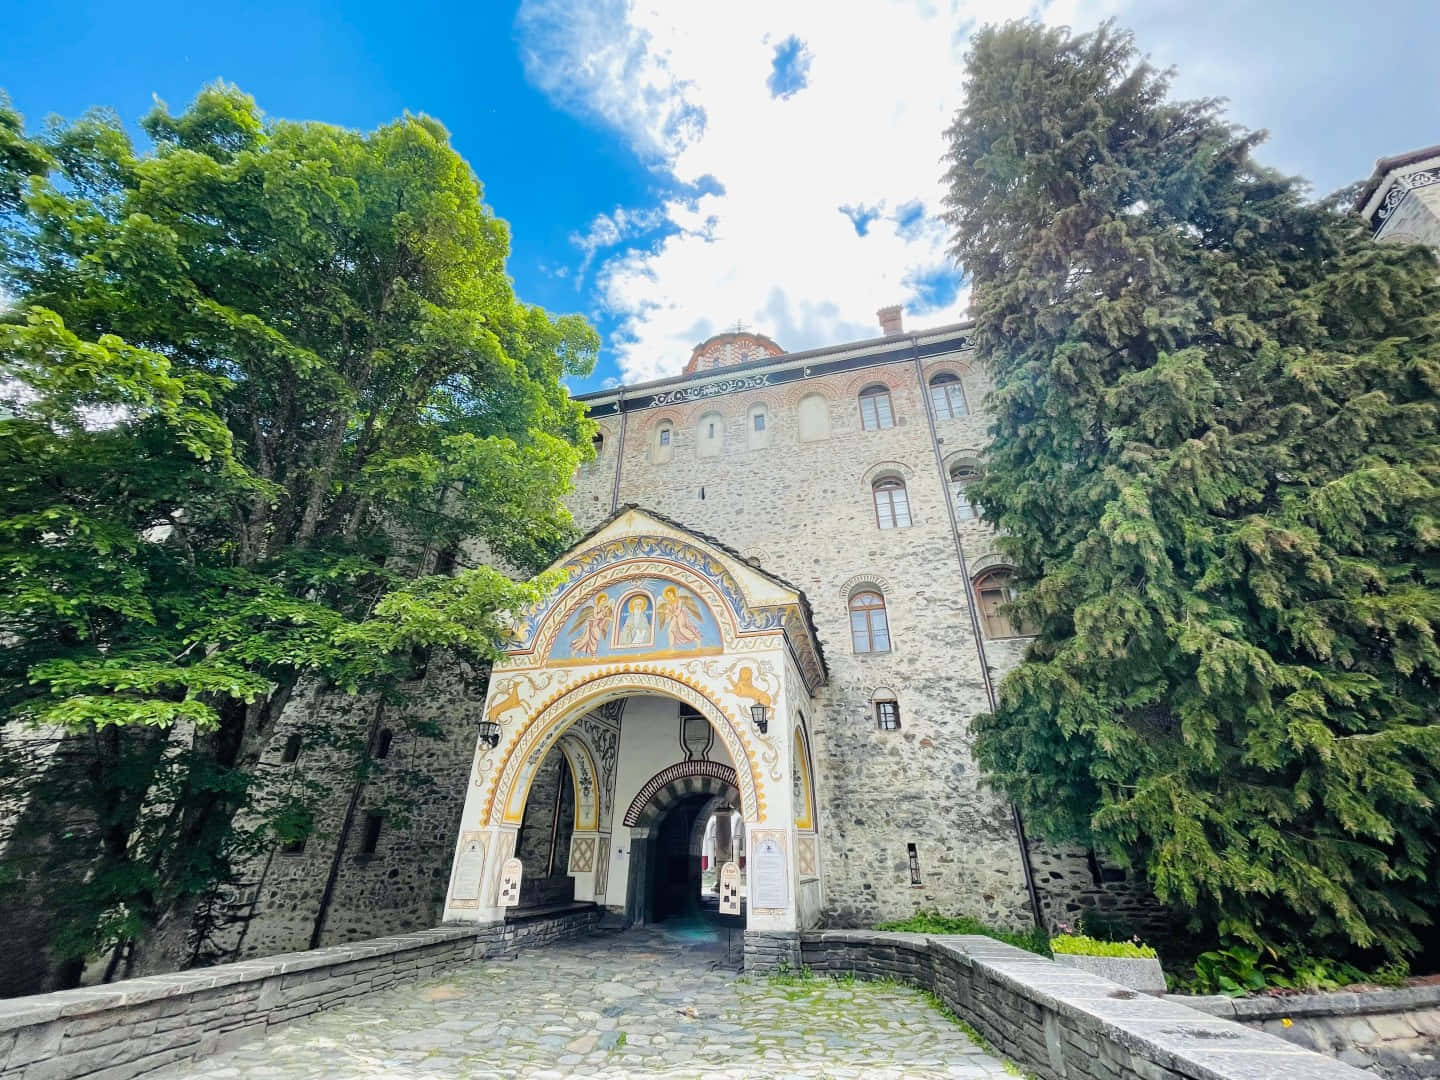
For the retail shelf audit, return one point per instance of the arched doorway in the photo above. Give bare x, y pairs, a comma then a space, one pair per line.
670, 820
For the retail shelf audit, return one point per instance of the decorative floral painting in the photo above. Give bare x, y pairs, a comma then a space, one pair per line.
648, 617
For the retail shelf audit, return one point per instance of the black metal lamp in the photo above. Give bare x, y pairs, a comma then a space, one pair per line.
490, 733
762, 721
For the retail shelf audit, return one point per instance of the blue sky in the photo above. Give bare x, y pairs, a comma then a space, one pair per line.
671, 168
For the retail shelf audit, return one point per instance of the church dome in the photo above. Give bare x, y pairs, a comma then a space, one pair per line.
736, 347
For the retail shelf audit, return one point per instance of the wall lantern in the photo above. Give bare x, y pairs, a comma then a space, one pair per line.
490, 733
762, 722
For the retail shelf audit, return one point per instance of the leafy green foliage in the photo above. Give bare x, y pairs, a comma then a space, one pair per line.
1241, 969
1215, 466
932, 922
1080, 945
256, 381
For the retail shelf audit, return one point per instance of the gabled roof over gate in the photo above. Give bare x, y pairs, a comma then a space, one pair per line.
757, 601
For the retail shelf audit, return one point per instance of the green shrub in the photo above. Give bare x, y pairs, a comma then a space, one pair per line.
1081, 945
932, 922
1243, 969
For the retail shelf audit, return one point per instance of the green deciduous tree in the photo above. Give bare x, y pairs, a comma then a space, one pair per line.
1216, 461
255, 379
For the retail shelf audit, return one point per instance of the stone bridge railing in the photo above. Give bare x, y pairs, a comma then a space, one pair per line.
127, 1028
1057, 1022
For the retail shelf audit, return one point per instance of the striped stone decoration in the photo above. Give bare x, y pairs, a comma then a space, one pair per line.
669, 786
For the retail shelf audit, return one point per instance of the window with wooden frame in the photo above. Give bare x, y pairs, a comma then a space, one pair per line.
876, 412
947, 395
961, 477
995, 589
869, 629
892, 504
887, 715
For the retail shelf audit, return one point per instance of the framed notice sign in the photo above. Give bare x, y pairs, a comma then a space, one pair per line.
510, 874
769, 870
729, 889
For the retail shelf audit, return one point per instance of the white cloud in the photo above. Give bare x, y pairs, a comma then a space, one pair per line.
688, 86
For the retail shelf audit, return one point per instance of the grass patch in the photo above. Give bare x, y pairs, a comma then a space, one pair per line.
938, 1004
1080, 945
932, 922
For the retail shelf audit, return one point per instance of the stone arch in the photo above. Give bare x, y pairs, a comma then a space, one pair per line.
679, 781
508, 787
989, 561
864, 581
959, 368
884, 469
872, 377
584, 778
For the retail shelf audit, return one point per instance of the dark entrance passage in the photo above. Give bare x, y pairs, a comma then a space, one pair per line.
675, 878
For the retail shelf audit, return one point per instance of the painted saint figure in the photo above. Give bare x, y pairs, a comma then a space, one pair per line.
680, 615
593, 622
635, 625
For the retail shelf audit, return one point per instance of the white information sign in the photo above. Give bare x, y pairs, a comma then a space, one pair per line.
729, 889
468, 870
510, 873
769, 881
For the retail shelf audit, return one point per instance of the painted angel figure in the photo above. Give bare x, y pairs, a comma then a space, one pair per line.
593, 622
680, 615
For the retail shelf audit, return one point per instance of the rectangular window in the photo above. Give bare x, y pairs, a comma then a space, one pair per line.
887, 715
293, 847
759, 421
914, 865
664, 436
373, 821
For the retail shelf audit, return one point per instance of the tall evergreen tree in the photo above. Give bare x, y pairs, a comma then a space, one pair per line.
1215, 464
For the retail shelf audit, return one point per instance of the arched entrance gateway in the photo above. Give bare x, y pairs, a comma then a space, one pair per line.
662, 685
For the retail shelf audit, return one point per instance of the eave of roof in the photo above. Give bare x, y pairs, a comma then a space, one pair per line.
751, 366
1385, 166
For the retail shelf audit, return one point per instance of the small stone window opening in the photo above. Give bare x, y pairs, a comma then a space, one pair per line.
869, 629
711, 432
293, 847
373, 820
291, 751
419, 663
598, 442
995, 590
876, 412
702, 494
382, 743
446, 560
961, 477
892, 504
664, 436
887, 715
947, 395
914, 865
759, 421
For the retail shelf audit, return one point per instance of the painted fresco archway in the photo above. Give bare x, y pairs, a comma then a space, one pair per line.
647, 611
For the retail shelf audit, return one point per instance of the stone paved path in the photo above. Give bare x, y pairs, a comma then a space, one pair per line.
646, 1003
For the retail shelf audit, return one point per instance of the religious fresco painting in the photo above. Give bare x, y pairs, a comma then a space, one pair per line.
653, 618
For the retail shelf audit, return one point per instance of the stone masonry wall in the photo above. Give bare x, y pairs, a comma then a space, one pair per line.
1060, 1023
804, 510
401, 886
127, 1028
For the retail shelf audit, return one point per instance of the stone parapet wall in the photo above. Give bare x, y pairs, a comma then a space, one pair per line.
1392, 1033
1060, 1023
123, 1029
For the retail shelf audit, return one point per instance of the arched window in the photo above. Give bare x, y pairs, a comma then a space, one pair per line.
869, 630
757, 427
876, 411
892, 505
598, 442
947, 394
814, 418
995, 590
710, 437
961, 477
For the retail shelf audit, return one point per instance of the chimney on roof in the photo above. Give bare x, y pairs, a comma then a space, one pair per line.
890, 320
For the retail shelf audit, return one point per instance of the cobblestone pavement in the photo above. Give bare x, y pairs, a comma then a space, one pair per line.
659, 1002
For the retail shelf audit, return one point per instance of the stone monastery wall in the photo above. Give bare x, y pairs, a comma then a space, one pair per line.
796, 497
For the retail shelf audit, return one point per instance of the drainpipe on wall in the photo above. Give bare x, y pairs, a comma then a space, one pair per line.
974, 617
619, 452
327, 897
